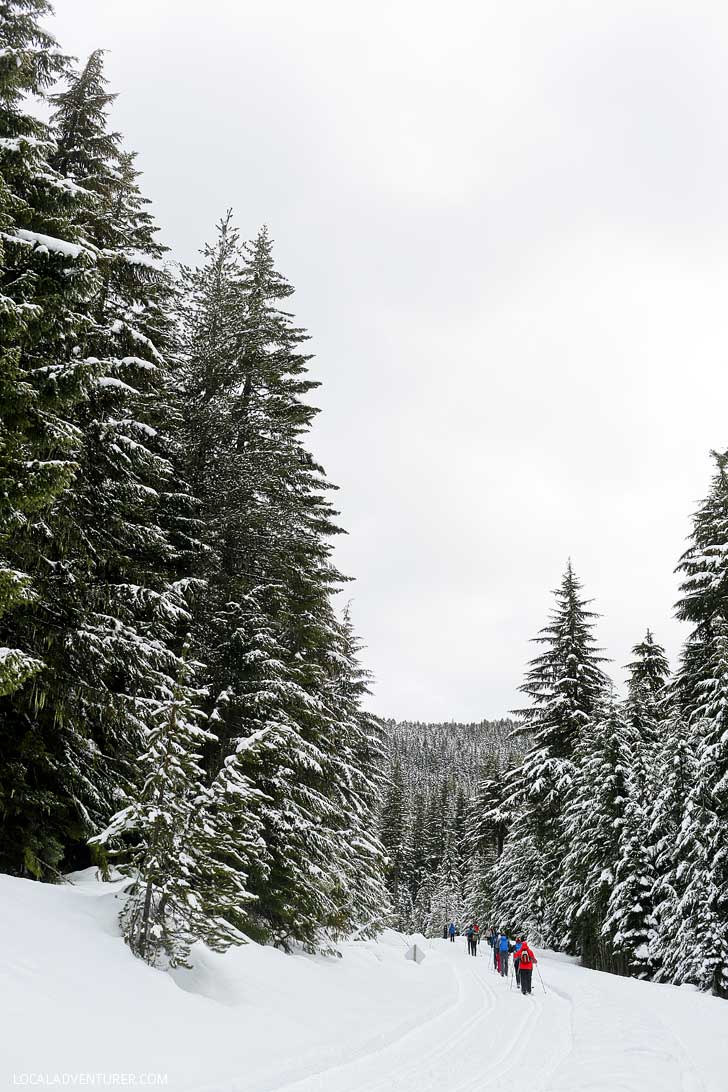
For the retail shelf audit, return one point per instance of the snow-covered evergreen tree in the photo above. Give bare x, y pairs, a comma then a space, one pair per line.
520, 885
485, 826
446, 899
184, 854
566, 685
630, 922
478, 890
394, 833
284, 682
703, 838
648, 708
416, 850
48, 273
675, 776
702, 691
117, 613
592, 825
359, 754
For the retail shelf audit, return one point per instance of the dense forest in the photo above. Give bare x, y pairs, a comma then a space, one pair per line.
442, 781
180, 696
617, 821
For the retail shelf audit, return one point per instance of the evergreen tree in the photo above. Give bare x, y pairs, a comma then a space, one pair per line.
85, 151
478, 890
285, 689
422, 915
593, 825
485, 827
630, 922
649, 672
704, 585
566, 685
359, 750
48, 274
648, 708
416, 847
446, 900
703, 841
519, 884
676, 774
394, 833
187, 857
119, 612
21, 494
702, 690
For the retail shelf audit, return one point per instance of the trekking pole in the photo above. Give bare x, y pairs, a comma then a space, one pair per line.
539, 975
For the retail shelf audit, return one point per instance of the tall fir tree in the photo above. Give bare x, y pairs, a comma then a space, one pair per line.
593, 824
566, 685
48, 275
703, 838
702, 691
394, 833
124, 550
285, 690
358, 746
648, 709
676, 774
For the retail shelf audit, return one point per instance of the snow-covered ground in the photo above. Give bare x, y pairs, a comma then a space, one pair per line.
76, 1009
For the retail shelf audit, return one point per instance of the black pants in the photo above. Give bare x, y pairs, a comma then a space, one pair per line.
475, 946
517, 970
526, 980
504, 963
452, 937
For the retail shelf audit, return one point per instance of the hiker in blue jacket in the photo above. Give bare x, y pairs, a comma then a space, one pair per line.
493, 941
469, 935
503, 948
451, 931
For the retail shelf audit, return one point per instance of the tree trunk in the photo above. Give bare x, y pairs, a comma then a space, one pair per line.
146, 914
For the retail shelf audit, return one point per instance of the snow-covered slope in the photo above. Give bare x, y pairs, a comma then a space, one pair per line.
74, 1001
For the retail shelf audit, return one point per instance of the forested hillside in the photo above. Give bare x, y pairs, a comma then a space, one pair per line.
449, 751
178, 690
442, 777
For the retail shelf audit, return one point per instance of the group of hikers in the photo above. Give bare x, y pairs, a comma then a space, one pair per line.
523, 956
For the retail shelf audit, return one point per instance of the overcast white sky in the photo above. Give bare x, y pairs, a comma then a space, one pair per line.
506, 223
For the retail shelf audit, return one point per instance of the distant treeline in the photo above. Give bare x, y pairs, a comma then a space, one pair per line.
431, 818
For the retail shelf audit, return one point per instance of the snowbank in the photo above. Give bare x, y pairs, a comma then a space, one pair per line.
77, 1009
74, 1000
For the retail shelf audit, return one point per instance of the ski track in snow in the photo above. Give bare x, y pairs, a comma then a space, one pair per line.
494, 1038
255, 1020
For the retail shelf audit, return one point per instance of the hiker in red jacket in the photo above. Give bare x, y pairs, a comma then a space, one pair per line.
526, 960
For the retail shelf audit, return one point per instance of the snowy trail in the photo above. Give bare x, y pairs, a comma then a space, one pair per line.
256, 1020
493, 1037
